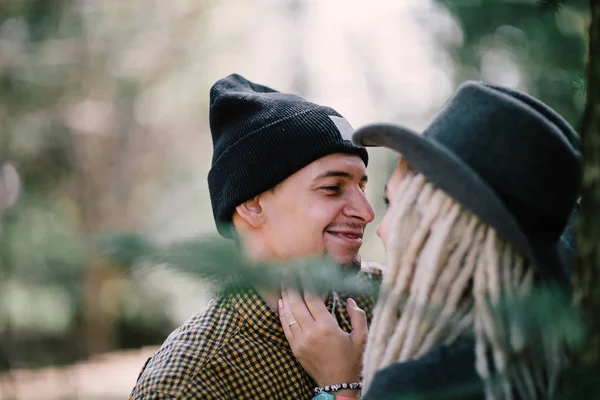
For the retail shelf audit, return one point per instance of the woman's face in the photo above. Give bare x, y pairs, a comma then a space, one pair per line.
391, 193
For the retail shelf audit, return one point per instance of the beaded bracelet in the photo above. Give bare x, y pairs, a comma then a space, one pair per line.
339, 386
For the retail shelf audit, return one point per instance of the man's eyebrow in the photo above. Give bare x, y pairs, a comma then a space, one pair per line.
339, 174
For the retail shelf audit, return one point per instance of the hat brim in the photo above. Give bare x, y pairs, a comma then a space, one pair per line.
447, 172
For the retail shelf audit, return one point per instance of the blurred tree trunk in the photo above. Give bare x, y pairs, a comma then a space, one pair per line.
115, 166
106, 206
586, 283
99, 311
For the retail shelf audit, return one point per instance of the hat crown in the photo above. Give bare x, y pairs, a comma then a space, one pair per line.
520, 147
239, 107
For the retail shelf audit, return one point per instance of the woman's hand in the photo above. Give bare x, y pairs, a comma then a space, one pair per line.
324, 350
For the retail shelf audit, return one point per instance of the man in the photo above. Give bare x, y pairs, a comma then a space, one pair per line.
287, 182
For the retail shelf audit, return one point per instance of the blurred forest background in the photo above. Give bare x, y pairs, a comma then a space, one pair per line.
104, 131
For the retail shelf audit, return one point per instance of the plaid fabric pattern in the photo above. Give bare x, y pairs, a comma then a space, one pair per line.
236, 349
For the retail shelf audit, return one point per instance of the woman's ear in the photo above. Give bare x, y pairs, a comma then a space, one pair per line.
251, 211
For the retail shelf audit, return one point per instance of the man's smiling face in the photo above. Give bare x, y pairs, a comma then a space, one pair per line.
320, 209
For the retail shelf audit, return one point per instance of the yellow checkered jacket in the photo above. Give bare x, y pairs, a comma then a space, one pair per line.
236, 349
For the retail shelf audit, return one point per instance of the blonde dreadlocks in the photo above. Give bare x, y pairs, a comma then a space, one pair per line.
447, 272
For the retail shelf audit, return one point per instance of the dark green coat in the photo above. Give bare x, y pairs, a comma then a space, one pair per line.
446, 372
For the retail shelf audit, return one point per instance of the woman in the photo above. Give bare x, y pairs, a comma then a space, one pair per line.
477, 206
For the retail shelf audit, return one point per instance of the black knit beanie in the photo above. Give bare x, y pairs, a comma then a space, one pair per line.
260, 137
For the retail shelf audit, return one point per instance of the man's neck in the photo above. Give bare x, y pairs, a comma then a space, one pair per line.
272, 298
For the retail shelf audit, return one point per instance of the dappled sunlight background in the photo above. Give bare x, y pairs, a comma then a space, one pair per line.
104, 116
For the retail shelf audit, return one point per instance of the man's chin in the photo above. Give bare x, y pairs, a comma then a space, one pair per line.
353, 264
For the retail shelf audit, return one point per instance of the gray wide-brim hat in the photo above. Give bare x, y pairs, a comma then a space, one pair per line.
505, 156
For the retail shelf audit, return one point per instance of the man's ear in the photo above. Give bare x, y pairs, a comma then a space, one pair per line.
251, 211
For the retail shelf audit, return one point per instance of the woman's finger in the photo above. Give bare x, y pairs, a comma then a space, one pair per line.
292, 322
358, 320
285, 323
294, 302
315, 304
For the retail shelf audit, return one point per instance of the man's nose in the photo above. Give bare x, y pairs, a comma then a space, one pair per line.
360, 208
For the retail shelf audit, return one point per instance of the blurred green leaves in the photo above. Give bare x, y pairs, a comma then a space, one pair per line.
47, 309
536, 46
42, 241
552, 4
220, 262
546, 315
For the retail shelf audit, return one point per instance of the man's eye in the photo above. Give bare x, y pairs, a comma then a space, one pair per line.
386, 201
331, 189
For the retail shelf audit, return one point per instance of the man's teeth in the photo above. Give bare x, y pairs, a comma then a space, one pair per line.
346, 235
